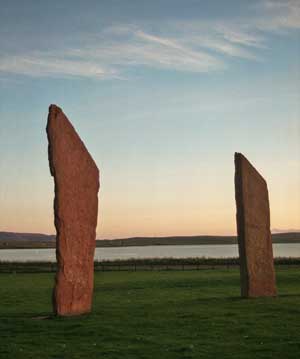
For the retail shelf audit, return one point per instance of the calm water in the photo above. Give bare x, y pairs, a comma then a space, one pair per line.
215, 251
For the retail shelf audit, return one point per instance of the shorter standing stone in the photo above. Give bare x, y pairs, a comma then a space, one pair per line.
253, 227
76, 179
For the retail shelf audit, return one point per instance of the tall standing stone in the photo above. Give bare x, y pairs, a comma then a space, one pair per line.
76, 179
253, 227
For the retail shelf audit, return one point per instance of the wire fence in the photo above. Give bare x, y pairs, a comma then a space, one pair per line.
164, 264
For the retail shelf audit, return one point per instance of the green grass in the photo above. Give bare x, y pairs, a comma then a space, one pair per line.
139, 315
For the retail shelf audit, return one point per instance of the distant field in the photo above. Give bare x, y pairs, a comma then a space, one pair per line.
149, 315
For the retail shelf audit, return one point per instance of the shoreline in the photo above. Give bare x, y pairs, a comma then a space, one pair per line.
212, 242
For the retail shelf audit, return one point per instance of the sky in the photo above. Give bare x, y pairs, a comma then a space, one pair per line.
162, 93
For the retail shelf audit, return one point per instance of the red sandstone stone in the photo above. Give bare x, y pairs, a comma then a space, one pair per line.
253, 227
76, 179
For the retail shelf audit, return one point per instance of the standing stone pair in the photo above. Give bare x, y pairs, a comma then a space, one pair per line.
76, 179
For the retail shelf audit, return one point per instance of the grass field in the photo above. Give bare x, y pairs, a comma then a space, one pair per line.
175, 314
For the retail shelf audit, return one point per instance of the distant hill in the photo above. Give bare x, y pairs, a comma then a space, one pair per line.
190, 240
16, 236
38, 240
26, 240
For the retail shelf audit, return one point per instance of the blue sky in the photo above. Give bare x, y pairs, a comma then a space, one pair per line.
162, 93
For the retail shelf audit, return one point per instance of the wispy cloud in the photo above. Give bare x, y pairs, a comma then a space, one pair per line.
175, 45
137, 47
52, 65
282, 15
